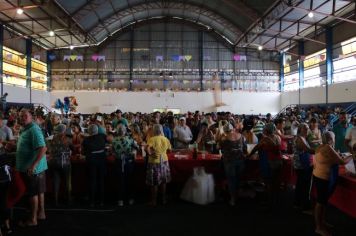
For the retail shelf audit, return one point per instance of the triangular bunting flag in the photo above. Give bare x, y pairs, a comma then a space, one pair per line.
243, 58
188, 57
175, 58
66, 58
94, 57
73, 57
236, 57
52, 57
79, 58
159, 58
37, 57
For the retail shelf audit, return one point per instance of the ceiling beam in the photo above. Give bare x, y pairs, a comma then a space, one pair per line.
166, 19
144, 4
33, 20
243, 9
79, 8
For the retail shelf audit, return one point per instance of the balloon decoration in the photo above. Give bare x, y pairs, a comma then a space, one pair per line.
69, 104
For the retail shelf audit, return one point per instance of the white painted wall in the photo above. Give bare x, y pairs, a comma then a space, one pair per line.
22, 95
342, 92
237, 102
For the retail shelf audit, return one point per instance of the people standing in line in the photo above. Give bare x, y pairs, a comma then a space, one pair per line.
93, 148
314, 136
350, 137
77, 139
340, 132
123, 147
326, 157
234, 150
59, 155
280, 123
158, 172
182, 135
32, 164
269, 149
258, 127
302, 164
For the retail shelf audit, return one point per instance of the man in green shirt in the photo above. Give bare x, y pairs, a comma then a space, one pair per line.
340, 131
31, 163
119, 119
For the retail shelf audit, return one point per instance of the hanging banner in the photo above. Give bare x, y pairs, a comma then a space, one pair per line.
236, 57
66, 58
37, 57
79, 58
207, 58
180, 58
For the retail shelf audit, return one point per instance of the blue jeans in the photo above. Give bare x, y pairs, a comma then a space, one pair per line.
233, 172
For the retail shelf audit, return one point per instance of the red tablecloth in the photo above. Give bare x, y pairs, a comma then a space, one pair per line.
181, 165
344, 197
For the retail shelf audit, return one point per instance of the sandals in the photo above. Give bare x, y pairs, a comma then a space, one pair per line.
26, 223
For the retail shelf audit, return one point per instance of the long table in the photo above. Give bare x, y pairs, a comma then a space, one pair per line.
344, 197
181, 166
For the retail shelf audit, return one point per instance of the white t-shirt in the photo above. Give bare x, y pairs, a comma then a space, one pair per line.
351, 135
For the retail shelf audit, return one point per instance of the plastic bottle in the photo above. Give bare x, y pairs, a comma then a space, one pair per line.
195, 151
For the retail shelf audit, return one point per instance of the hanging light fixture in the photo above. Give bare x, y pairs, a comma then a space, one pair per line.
311, 14
51, 33
259, 47
19, 11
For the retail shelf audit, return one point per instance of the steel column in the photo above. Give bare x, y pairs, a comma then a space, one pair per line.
329, 61
282, 59
29, 66
201, 57
1, 58
132, 35
301, 67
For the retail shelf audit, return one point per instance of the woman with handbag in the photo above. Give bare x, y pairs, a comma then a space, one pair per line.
60, 152
158, 173
123, 147
269, 149
234, 149
303, 166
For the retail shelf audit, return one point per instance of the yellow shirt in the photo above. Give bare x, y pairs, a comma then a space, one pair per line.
160, 145
324, 159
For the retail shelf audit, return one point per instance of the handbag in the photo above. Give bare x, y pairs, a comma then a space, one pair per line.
63, 160
5, 175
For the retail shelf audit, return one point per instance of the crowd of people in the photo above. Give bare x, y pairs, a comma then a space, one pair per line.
33, 141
